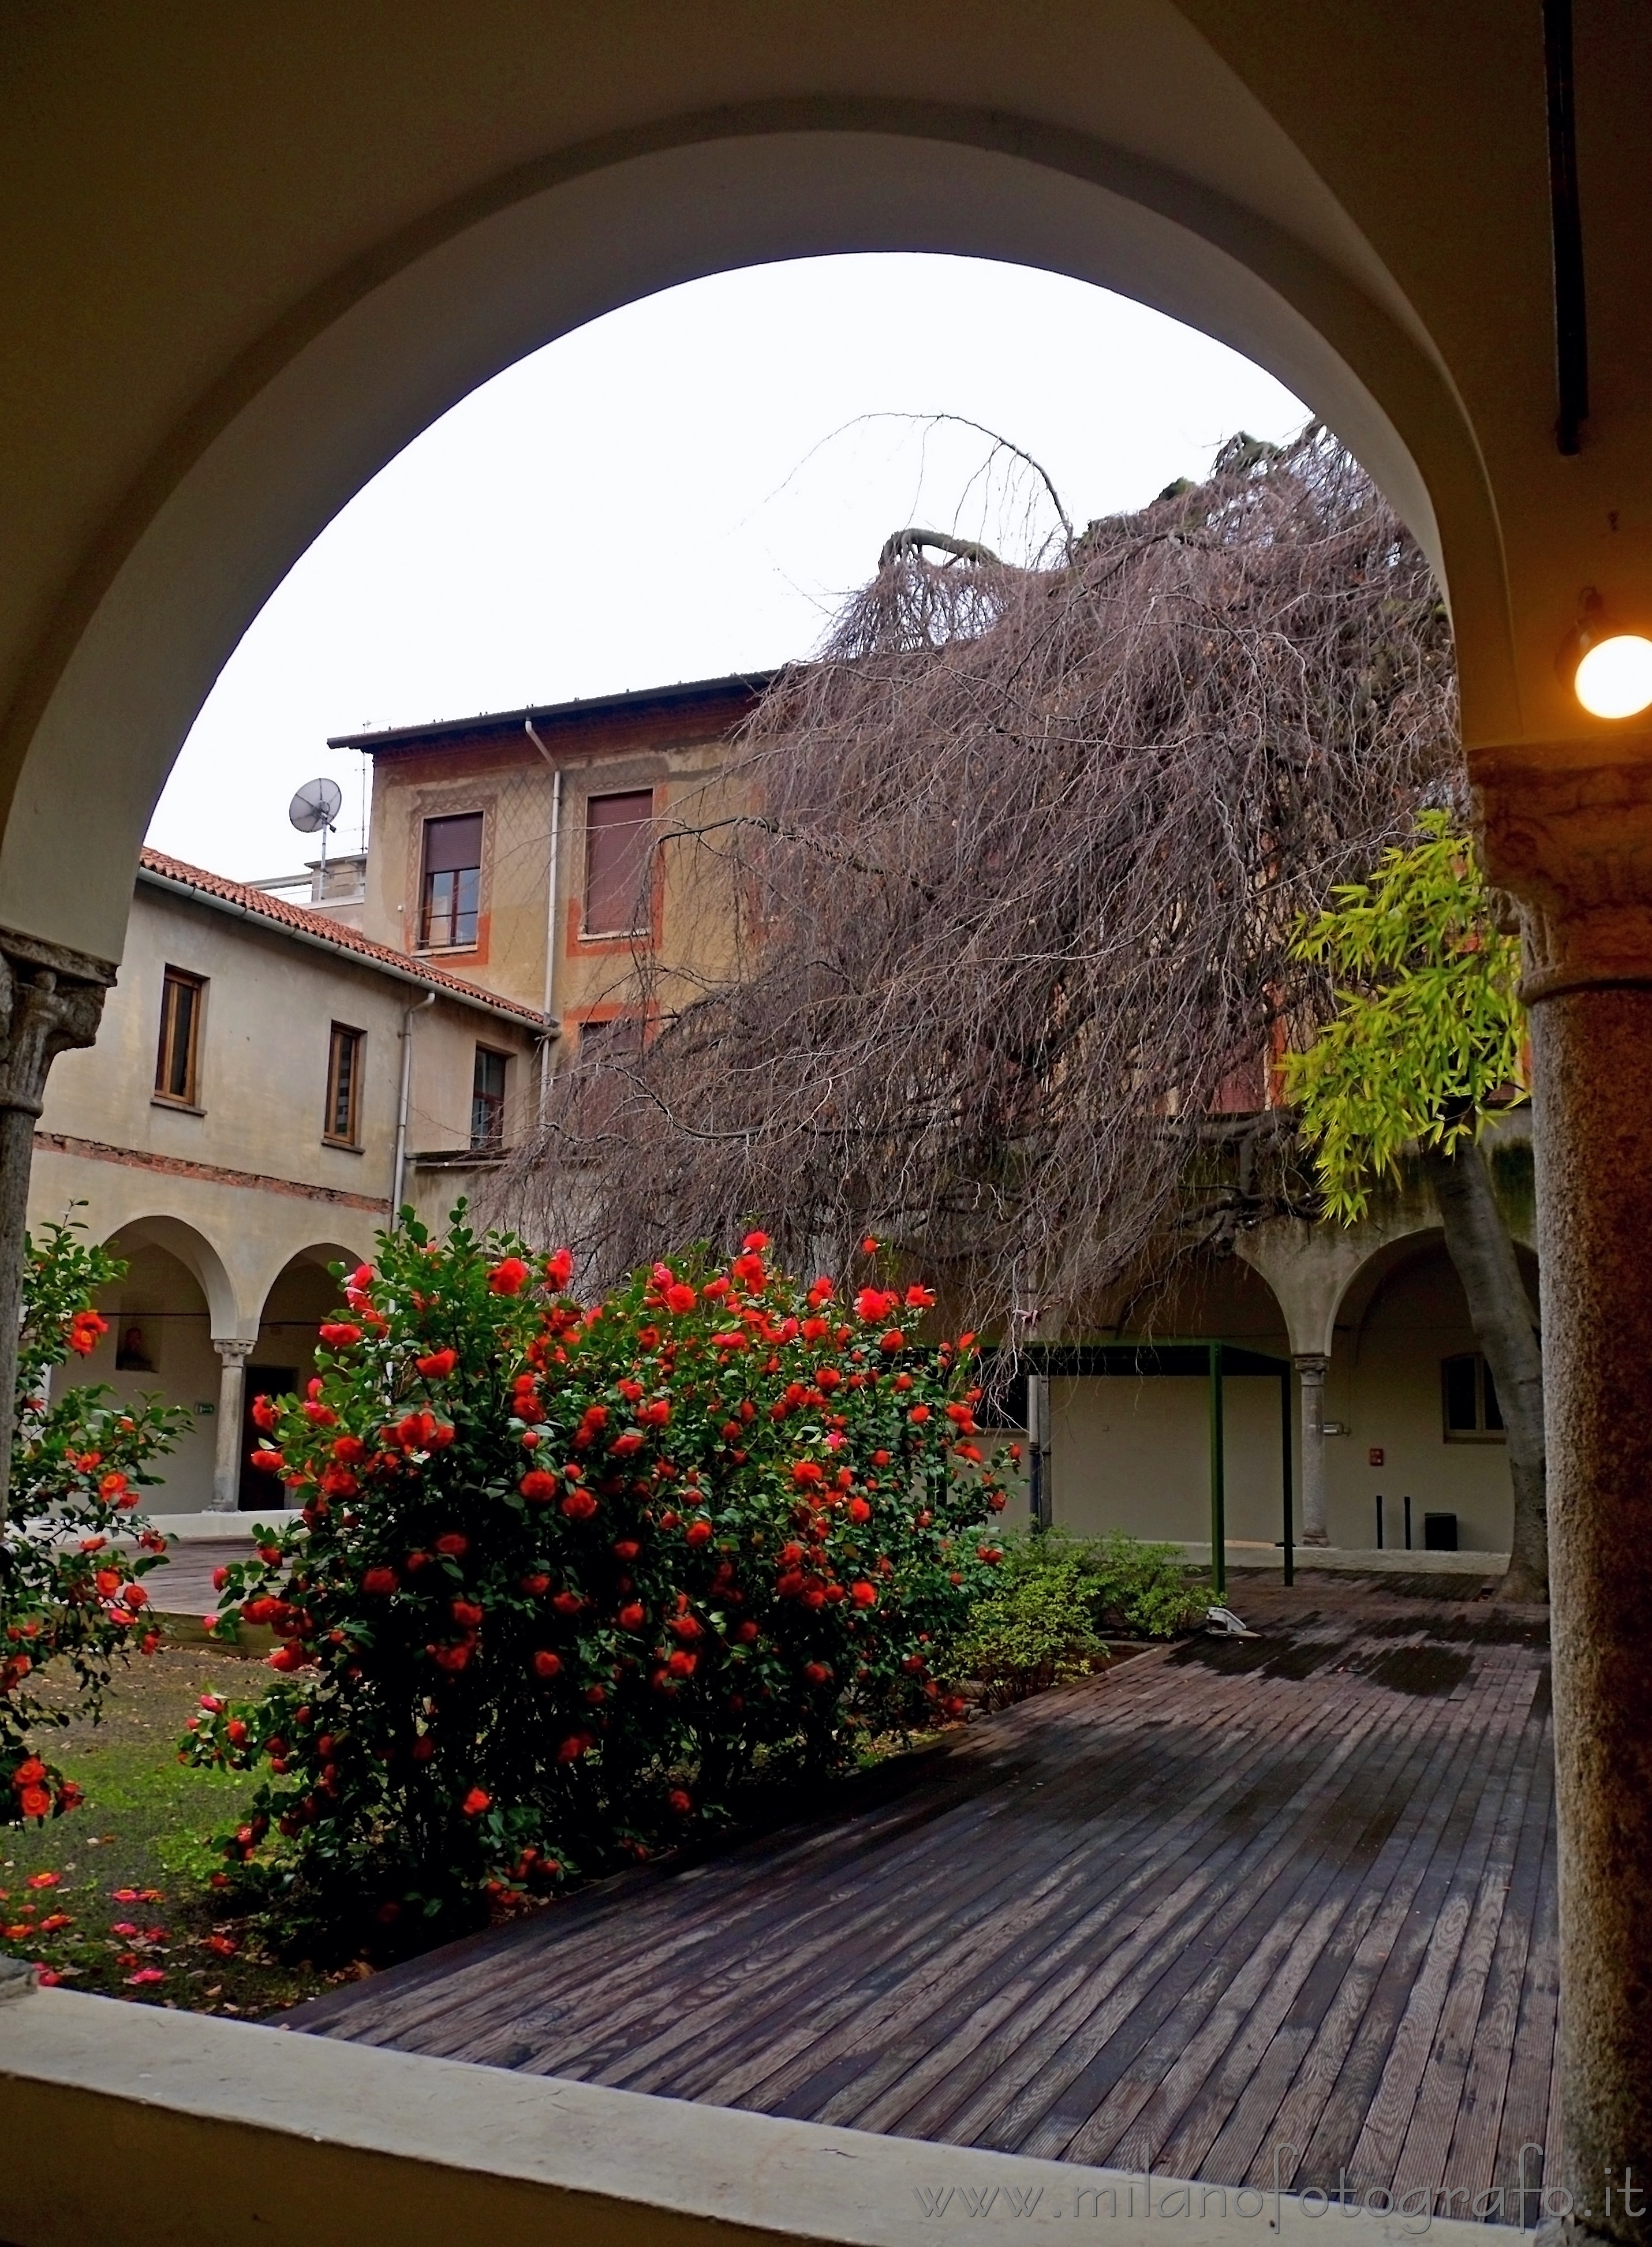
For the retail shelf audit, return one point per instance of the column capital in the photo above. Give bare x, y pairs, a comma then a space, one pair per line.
1311, 1364
1571, 841
233, 1350
51, 1000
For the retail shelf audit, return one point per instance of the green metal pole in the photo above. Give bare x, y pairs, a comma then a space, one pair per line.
1219, 1501
1285, 1457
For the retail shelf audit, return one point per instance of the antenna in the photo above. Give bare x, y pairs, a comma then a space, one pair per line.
312, 812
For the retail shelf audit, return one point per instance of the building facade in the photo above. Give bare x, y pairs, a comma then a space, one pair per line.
268, 1085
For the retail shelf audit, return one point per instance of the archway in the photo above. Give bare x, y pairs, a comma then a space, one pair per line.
282, 1356
163, 1315
1411, 1416
356, 375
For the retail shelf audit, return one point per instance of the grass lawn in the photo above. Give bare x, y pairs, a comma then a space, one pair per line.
133, 1864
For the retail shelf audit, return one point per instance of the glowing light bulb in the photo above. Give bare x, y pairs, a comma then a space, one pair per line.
1615, 677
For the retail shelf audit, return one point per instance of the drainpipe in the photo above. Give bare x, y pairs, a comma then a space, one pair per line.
530, 728
429, 1000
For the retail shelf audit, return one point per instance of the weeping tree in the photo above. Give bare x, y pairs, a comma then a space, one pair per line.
993, 912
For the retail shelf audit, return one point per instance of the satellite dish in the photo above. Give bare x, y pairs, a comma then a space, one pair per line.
316, 806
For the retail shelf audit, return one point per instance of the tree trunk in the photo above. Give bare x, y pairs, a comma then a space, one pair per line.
1481, 1247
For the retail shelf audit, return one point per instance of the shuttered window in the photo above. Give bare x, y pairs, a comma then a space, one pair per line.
487, 1099
617, 863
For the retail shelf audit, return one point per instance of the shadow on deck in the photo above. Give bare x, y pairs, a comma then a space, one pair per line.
1281, 1902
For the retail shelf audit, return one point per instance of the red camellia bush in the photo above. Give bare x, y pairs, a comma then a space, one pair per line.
73, 1546
561, 1572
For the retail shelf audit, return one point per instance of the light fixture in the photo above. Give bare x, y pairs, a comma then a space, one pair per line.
1610, 667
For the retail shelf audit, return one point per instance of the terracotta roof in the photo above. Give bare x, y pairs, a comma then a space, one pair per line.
319, 928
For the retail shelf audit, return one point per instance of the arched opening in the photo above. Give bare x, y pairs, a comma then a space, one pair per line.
162, 1317
1410, 1411
282, 1357
352, 378
1131, 1451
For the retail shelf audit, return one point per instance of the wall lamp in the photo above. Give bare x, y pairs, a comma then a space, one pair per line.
1609, 667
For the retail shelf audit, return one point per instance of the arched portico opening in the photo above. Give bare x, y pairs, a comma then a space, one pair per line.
360, 370
164, 1315
1410, 1411
282, 1356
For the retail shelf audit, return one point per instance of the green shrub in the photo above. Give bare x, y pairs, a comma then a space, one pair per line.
1036, 1628
1142, 1587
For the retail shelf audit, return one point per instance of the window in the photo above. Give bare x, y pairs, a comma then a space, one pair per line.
487, 1099
1472, 1415
617, 863
450, 899
176, 1063
342, 1124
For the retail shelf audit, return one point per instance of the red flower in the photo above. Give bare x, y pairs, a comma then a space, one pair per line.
655, 1415
84, 1330
466, 1613
807, 1474
872, 1304
569, 1603
453, 1542
219, 1578
438, 1365
537, 1484
34, 1801
547, 1665
575, 1747
882, 1458
892, 1341
477, 1801
224, 1946
265, 1415
818, 1673
536, 1585
869, 1247
681, 1298
632, 1616
579, 1505
338, 1334
681, 1665
628, 1441
920, 1299
857, 1510
507, 1277
864, 1595
626, 1548
266, 1460
918, 1414
559, 1268
135, 1596
698, 1532
680, 1800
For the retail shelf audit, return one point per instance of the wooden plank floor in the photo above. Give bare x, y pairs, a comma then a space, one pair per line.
1279, 1902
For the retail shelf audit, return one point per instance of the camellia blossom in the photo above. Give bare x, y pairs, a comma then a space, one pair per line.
509, 1277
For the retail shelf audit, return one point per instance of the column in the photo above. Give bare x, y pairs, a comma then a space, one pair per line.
1310, 1370
232, 1394
51, 1000
1575, 843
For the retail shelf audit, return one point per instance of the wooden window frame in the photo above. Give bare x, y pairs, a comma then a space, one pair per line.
455, 913
174, 980
342, 1037
491, 1144
1483, 1431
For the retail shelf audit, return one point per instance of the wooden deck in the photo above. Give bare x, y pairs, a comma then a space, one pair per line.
1285, 1901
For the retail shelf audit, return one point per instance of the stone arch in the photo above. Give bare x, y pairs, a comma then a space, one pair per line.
307, 413
196, 1253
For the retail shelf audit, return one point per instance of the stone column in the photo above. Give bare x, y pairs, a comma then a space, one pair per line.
51, 1000
1310, 1370
232, 1392
1573, 842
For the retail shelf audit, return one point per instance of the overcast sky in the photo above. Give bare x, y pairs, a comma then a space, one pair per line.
688, 488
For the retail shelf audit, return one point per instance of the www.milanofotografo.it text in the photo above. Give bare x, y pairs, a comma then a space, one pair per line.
1526, 2200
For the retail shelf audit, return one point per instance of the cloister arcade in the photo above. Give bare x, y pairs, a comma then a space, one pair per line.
246, 260
180, 1326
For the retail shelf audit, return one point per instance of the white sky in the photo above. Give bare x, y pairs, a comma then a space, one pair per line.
686, 488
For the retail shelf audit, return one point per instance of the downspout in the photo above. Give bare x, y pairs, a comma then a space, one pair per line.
530, 728
403, 1099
